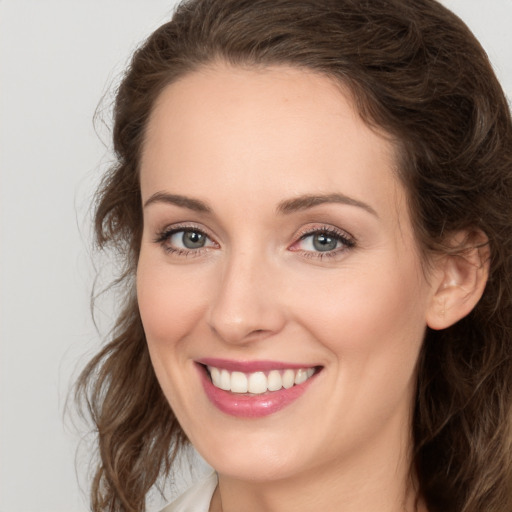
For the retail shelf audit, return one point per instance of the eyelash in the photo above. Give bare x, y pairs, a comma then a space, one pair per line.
163, 237
348, 242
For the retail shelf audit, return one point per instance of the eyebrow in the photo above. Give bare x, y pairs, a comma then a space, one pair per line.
285, 207
178, 200
309, 201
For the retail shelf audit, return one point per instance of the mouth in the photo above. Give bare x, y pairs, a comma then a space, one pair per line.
259, 382
254, 389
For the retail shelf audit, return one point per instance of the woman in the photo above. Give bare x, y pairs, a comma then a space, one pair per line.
313, 201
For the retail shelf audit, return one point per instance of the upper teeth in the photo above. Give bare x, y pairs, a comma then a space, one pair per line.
258, 382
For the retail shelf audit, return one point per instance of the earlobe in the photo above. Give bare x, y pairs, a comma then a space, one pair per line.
460, 279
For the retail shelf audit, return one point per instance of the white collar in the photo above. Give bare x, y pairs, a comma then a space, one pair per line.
197, 498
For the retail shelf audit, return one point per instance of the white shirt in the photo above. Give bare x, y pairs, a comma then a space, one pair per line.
197, 498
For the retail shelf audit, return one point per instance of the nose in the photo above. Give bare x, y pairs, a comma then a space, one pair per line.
246, 306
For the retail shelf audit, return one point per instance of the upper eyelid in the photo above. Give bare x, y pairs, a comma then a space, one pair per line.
183, 226
324, 228
163, 234
347, 240
163, 239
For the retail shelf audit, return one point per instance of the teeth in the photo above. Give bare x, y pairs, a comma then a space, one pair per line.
215, 374
225, 380
238, 382
275, 381
288, 379
258, 383
301, 376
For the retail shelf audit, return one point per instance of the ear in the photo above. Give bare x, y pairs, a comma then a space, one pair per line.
459, 279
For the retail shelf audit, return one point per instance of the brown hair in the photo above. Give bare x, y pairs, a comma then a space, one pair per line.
415, 71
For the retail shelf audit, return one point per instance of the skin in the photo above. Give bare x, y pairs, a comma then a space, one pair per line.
243, 141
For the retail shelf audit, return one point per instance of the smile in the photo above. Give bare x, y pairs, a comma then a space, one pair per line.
254, 389
259, 382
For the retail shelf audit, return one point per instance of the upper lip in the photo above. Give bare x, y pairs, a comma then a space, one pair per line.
251, 366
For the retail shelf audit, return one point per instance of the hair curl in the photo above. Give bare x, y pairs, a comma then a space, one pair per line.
416, 72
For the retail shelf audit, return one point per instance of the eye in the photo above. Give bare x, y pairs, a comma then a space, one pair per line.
184, 241
323, 242
188, 239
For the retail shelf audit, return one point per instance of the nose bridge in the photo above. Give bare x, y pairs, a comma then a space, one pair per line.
245, 303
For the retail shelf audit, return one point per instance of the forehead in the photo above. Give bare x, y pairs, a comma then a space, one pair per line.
252, 127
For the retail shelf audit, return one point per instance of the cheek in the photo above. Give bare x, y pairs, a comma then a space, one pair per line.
370, 314
167, 306
170, 309
373, 327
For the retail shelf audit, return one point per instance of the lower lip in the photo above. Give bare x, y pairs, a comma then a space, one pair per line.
251, 406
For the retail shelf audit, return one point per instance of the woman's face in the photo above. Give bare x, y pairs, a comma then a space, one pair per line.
278, 251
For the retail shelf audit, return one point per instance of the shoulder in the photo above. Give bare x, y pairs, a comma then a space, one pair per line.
197, 498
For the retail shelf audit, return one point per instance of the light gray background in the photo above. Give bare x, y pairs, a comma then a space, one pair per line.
57, 59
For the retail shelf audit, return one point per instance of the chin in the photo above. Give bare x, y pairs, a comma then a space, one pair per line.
253, 460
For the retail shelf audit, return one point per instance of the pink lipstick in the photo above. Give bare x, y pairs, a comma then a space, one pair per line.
254, 389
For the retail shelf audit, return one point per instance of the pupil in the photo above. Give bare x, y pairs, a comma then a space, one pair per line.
193, 239
324, 242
